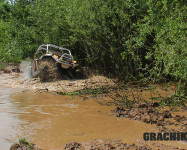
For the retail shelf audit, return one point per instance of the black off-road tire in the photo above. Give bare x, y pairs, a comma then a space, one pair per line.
48, 71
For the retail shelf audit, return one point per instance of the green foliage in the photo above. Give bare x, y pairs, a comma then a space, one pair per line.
2, 66
23, 140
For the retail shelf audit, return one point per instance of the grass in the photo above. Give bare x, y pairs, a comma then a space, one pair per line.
25, 141
176, 99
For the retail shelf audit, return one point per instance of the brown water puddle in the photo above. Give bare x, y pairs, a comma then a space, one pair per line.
50, 121
152, 93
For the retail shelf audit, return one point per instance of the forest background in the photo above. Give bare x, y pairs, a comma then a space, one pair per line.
142, 40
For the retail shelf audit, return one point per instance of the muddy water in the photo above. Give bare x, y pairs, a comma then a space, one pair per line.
50, 120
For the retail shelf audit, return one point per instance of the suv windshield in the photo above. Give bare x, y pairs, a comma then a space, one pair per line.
55, 51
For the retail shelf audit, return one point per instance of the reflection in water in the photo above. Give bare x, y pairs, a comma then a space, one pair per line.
50, 120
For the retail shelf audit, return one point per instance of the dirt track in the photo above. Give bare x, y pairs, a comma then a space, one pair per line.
18, 80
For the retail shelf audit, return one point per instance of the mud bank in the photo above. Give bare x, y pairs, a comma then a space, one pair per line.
117, 145
150, 112
15, 78
24, 146
102, 145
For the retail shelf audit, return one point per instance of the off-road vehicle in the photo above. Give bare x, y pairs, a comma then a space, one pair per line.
52, 62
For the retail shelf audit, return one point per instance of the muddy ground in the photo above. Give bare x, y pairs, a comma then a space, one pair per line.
23, 146
19, 77
117, 145
93, 145
146, 108
150, 112
104, 145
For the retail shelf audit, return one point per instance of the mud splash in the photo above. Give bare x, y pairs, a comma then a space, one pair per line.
25, 70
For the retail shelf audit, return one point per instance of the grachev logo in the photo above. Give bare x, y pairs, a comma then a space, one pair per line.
179, 136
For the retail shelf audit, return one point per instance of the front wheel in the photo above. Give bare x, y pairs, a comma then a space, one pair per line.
48, 71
